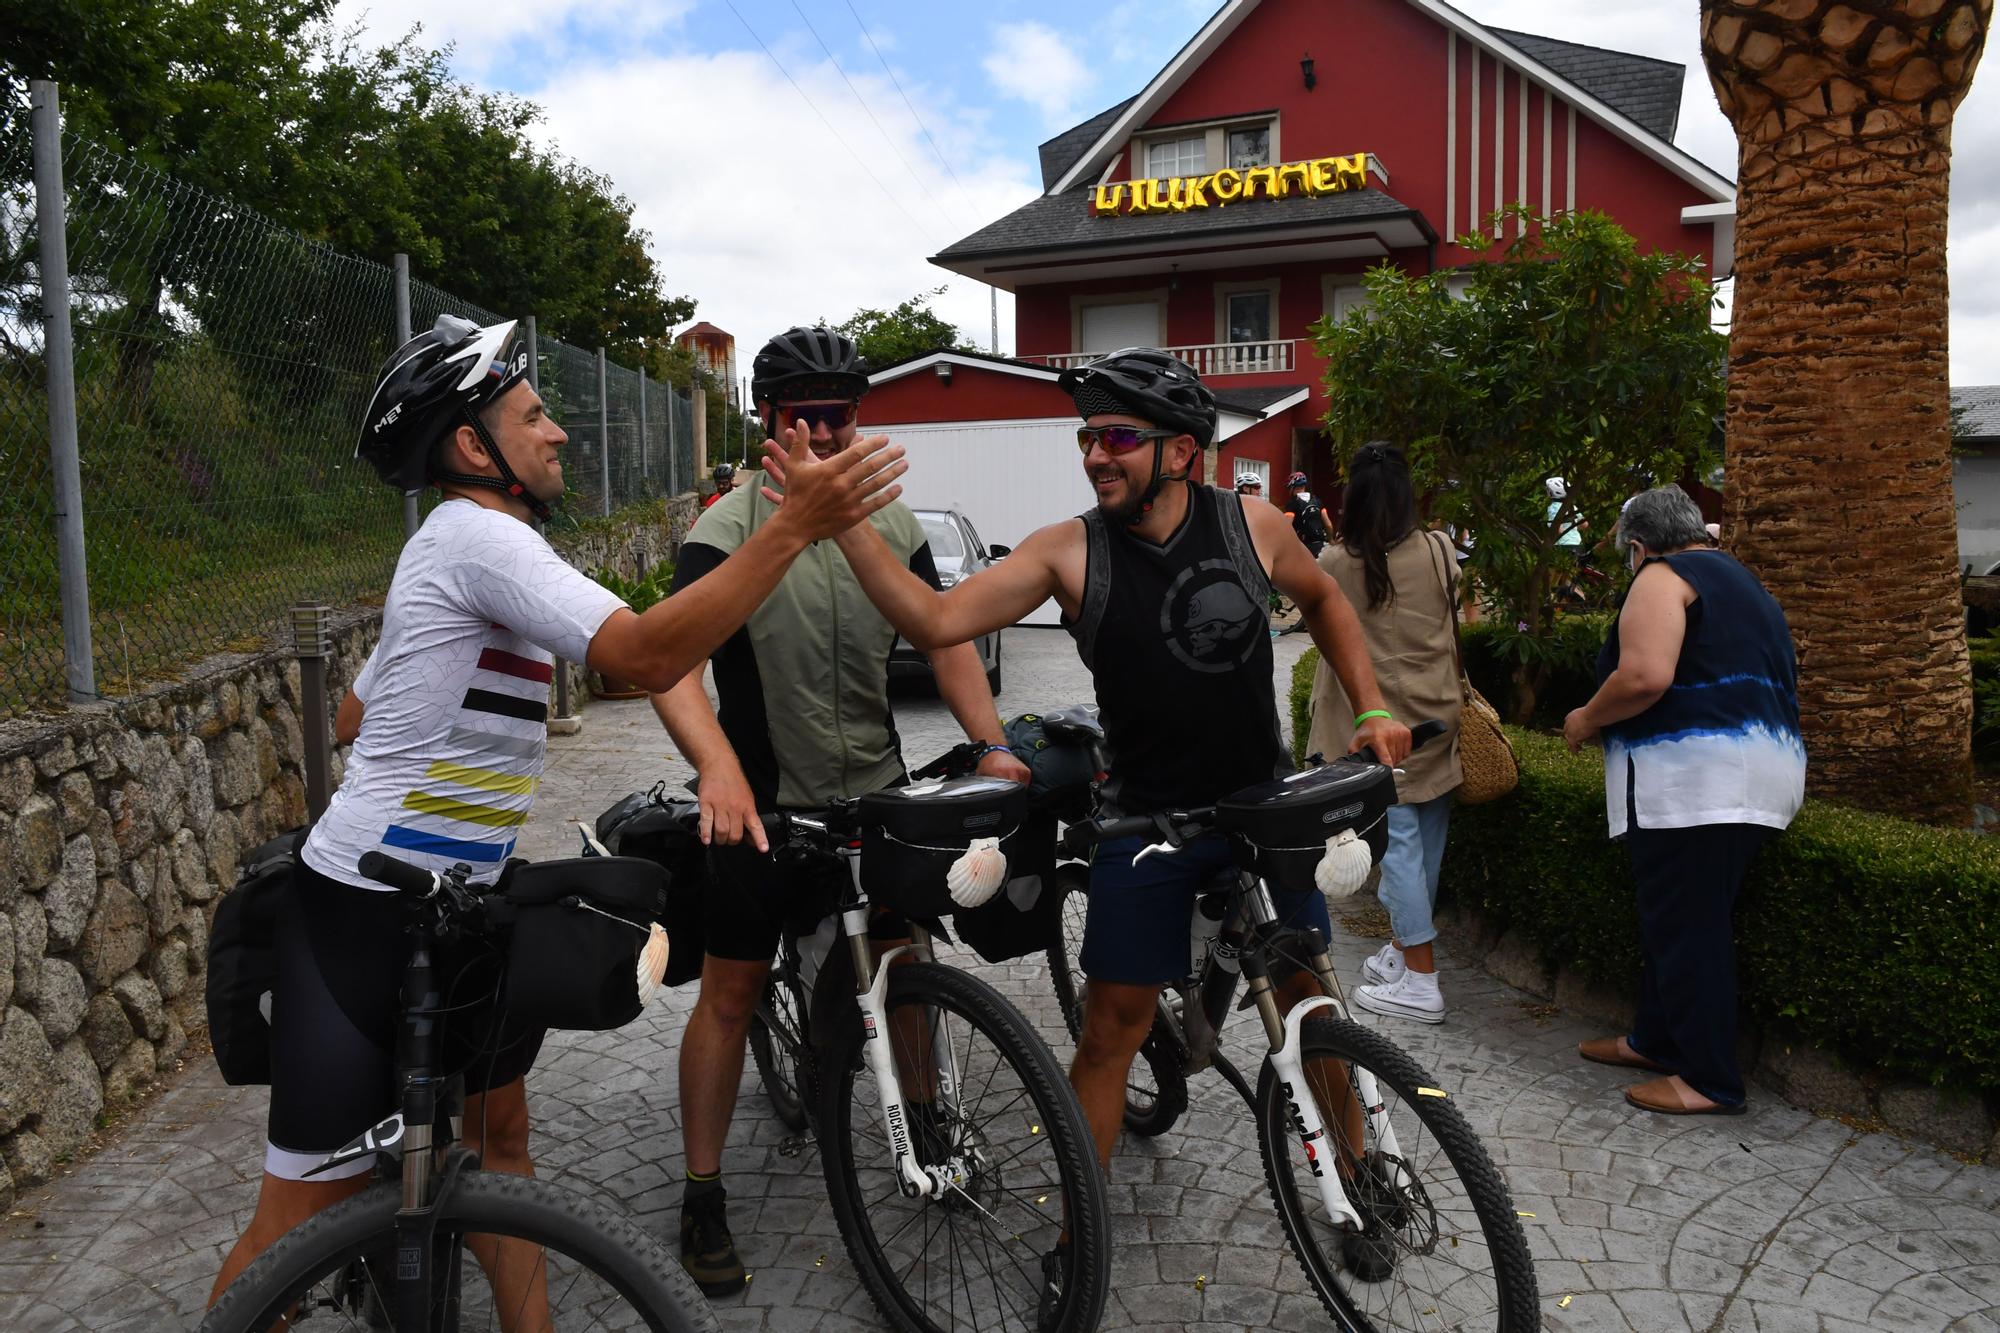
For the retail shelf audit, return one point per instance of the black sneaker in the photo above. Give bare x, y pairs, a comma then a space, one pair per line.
1055, 1272
708, 1253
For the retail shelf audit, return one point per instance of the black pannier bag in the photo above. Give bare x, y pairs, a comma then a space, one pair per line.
668, 835
575, 928
242, 966
1279, 828
911, 835
1021, 919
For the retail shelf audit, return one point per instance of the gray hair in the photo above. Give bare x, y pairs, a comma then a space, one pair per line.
1662, 519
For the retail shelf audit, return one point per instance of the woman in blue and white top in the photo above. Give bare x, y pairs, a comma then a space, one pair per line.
1698, 711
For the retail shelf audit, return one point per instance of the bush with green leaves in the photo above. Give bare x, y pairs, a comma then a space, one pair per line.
641, 593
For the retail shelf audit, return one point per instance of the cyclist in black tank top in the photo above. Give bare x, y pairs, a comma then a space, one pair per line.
1164, 585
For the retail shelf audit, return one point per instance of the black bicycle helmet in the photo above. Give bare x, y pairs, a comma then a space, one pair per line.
724, 472
435, 382
1146, 383
801, 364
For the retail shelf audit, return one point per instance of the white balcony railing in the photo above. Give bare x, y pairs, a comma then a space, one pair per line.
1258, 358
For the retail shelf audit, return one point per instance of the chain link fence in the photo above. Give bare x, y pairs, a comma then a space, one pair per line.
222, 364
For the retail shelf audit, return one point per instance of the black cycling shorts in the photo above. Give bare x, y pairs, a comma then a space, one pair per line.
335, 1011
751, 898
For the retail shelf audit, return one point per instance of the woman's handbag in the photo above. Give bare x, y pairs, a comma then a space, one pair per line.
1484, 752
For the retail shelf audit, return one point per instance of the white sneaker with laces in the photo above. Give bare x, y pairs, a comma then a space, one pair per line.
1385, 966
1412, 995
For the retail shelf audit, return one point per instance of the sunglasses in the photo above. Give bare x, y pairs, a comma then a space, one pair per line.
831, 415
1118, 439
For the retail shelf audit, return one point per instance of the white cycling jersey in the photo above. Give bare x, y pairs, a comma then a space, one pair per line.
456, 697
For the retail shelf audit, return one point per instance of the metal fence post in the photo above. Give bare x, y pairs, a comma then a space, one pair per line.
401, 269
604, 432
312, 644
565, 722
645, 463
51, 225
673, 449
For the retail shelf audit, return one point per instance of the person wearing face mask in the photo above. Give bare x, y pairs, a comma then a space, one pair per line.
1698, 712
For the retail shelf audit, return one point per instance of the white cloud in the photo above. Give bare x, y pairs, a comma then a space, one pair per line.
1032, 63
755, 208
483, 31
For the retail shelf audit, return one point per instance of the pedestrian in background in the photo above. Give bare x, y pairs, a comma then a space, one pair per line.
1698, 711
1401, 581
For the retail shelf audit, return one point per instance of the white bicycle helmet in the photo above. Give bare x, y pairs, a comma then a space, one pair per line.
1247, 479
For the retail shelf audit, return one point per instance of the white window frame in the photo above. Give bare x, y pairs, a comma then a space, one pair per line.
1270, 129
1215, 137
1180, 145
1225, 290
1157, 296
1260, 466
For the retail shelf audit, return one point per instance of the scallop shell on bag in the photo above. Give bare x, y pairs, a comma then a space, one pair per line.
978, 874
653, 965
1344, 868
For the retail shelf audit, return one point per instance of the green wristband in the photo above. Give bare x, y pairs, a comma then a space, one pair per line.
1373, 712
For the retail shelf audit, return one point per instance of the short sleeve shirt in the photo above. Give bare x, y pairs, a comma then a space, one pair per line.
450, 753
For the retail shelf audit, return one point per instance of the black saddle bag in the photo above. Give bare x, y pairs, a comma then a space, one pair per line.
575, 928
242, 962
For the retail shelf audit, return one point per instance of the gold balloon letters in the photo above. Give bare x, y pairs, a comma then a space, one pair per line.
1178, 194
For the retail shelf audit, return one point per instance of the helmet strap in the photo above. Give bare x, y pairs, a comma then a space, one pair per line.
506, 483
1152, 491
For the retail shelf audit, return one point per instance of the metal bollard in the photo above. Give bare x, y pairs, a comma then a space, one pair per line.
312, 644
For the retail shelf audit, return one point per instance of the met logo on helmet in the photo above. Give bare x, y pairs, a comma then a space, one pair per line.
388, 418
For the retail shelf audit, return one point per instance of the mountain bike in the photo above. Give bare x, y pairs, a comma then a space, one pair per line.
1386, 1195
402, 1254
959, 1165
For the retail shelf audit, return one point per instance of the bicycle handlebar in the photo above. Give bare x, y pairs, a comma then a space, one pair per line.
398, 875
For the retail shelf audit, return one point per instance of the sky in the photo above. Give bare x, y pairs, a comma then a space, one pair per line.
800, 159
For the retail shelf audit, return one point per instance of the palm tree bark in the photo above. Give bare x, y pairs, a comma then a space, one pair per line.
1840, 490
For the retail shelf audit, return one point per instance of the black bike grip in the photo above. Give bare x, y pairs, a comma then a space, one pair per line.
1425, 731
400, 875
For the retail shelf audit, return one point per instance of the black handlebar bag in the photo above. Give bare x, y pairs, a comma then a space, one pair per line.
667, 835
1279, 829
1023, 917
910, 836
574, 930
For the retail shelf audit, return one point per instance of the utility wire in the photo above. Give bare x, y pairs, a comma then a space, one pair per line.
942, 160
858, 161
935, 203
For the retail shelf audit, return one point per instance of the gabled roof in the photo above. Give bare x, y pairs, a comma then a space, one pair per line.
1646, 90
1065, 221
1006, 365
1977, 407
1120, 125
1260, 402
1061, 152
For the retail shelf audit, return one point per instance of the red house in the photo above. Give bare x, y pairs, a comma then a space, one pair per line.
1240, 196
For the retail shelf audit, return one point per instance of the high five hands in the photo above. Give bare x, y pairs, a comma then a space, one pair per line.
827, 496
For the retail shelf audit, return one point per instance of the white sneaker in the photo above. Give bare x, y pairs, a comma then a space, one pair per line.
1412, 995
1385, 966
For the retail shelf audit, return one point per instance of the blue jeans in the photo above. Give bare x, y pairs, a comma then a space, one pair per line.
1409, 886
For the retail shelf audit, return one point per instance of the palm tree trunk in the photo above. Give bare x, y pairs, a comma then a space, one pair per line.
1839, 486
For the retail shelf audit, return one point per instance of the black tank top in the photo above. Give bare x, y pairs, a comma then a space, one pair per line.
1177, 638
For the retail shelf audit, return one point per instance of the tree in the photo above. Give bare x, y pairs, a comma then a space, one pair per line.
1840, 492
911, 329
1572, 355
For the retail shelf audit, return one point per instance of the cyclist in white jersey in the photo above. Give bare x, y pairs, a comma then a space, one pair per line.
449, 718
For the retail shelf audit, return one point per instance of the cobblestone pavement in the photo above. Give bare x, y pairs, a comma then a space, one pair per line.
1776, 1221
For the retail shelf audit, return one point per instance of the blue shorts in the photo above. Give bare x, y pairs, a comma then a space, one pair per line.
1140, 918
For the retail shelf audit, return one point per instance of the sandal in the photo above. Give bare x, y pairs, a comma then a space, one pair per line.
1617, 1051
1665, 1096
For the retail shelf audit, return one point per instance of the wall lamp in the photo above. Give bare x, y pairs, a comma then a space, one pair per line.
943, 369
1306, 68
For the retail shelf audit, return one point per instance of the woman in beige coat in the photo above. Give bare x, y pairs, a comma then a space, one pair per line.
1401, 581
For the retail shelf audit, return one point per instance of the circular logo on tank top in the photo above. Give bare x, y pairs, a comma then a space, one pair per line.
1207, 619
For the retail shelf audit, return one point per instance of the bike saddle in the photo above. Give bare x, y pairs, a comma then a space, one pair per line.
1076, 722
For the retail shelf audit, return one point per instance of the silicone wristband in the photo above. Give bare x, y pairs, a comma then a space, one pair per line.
1374, 712
1002, 749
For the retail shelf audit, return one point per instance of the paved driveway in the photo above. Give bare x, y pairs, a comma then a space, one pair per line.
1776, 1221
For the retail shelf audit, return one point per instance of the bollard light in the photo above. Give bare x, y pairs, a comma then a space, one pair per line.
312, 629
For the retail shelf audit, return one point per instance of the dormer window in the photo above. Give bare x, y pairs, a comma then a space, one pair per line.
1167, 158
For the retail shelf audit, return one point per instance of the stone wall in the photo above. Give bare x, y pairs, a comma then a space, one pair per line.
121, 823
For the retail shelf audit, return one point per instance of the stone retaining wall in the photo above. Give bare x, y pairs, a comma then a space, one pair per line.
1958, 1121
120, 824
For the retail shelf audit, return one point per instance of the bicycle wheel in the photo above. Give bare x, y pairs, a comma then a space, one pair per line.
1010, 1138
600, 1270
1156, 1092
779, 1048
1443, 1247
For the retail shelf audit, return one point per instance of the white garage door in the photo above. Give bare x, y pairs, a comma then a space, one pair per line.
1009, 478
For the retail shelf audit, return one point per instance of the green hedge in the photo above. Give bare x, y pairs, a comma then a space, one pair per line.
1491, 651
1860, 933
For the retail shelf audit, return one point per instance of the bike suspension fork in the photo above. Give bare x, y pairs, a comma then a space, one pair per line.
871, 986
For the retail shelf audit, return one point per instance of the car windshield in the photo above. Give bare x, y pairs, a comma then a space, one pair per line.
943, 536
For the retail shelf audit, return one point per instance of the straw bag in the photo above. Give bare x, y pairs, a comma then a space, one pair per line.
1484, 751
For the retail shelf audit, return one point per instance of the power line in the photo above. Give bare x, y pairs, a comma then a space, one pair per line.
865, 107
858, 161
942, 160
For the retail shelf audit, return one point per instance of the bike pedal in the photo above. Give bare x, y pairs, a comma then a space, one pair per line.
795, 1144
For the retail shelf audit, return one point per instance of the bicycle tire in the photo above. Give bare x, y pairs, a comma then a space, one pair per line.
1458, 1211
620, 1261
1156, 1092
1009, 1211
776, 1057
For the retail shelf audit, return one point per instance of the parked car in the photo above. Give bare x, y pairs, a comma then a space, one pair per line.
959, 554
